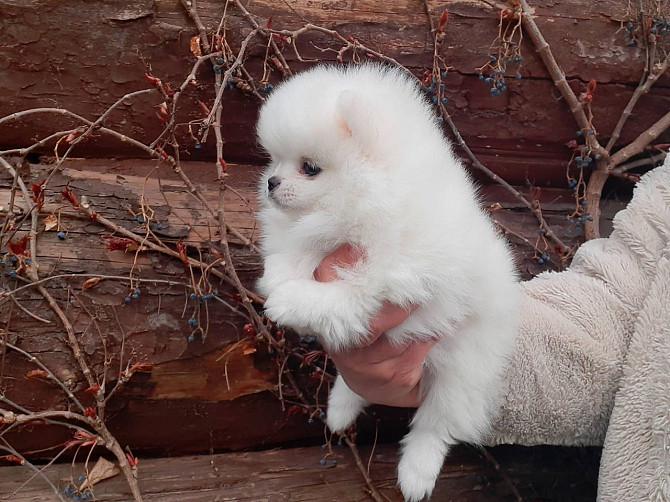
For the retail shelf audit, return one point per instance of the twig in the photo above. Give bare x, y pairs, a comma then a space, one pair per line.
6, 294
38, 472
26, 411
11, 418
31, 358
640, 91
28, 312
653, 160
557, 75
565, 250
503, 474
506, 230
228, 73
155, 153
162, 248
273, 44
361, 467
641, 142
110, 441
599, 176
604, 162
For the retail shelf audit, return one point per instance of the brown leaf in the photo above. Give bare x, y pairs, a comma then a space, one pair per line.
50, 222
248, 348
120, 243
19, 248
37, 374
90, 283
195, 46
13, 459
102, 470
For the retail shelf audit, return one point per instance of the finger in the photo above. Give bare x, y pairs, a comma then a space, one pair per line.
405, 367
389, 316
380, 350
375, 347
410, 400
416, 352
344, 256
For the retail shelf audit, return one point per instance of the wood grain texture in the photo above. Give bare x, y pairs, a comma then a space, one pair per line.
549, 474
84, 66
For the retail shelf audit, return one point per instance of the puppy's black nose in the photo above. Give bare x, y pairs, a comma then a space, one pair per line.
273, 183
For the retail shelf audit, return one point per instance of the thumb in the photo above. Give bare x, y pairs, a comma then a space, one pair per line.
344, 256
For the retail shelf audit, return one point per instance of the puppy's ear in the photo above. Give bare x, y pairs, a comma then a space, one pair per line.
357, 118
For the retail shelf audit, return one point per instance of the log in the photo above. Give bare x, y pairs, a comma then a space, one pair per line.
47, 60
540, 473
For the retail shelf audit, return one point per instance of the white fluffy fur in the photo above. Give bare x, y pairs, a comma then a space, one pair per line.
391, 185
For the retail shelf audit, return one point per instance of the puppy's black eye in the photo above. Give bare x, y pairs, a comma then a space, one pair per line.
310, 169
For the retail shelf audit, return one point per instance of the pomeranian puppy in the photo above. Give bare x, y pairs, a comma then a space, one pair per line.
357, 156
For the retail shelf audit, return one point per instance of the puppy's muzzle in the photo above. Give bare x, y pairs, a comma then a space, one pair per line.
273, 183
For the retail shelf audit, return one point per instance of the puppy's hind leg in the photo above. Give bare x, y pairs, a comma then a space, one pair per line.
422, 454
344, 405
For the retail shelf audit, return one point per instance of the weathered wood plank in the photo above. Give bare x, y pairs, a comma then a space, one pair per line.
296, 475
87, 65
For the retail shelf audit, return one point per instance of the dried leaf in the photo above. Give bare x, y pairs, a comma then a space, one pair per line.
19, 248
70, 137
37, 196
248, 348
182, 251
443, 21
133, 461
140, 367
50, 222
37, 374
120, 243
13, 459
70, 196
151, 79
103, 469
90, 283
195, 46
93, 389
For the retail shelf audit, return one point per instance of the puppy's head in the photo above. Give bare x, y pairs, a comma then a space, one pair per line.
329, 142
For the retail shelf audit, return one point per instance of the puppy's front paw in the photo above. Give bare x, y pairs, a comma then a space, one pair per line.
283, 305
329, 311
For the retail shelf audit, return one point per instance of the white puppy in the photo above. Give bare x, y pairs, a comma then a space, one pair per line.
357, 157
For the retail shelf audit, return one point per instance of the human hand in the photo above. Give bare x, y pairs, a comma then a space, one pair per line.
380, 371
